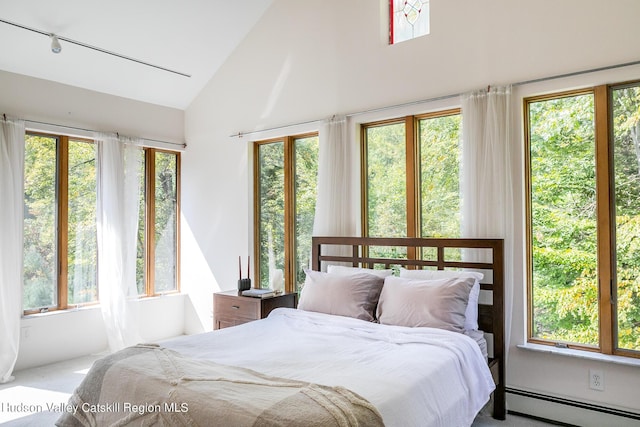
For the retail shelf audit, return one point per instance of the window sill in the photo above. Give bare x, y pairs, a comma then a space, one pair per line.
58, 312
96, 306
588, 355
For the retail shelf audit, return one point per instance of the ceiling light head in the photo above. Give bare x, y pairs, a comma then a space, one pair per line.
55, 44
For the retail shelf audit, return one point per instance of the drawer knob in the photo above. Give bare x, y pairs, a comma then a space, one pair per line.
235, 307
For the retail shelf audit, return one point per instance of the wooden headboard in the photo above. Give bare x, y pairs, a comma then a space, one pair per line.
438, 254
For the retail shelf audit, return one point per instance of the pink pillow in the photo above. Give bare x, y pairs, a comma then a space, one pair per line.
471, 313
437, 303
353, 295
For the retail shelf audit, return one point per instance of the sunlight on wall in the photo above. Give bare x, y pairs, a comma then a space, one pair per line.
278, 86
197, 281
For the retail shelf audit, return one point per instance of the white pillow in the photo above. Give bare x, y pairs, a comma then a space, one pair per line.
353, 295
437, 303
345, 271
471, 313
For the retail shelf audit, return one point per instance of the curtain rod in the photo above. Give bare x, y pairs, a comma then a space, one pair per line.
440, 98
181, 144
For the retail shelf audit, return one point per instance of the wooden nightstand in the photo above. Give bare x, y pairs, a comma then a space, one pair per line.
230, 308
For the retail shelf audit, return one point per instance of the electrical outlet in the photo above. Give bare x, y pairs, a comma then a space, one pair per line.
596, 379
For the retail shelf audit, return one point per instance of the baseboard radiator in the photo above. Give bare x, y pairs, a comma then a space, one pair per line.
574, 403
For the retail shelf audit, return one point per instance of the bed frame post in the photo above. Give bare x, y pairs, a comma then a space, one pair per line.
499, 398
315, 255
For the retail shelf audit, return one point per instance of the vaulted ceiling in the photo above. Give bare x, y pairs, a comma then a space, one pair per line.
172, 48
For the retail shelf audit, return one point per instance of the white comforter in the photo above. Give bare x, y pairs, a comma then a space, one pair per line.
414, 376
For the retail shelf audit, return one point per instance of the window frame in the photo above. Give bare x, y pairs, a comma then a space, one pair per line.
413, 169
605, 220
289, 169
150, 223
62, 221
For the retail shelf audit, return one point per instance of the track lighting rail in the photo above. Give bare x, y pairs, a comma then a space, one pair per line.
57, 47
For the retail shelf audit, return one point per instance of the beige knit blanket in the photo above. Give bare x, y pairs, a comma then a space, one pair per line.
147, 385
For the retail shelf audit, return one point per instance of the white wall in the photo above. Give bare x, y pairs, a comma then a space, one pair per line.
56, 336
44, 101
307, 60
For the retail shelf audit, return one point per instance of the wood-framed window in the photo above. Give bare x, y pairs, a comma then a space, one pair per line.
583, 218
158, 254
60, 244
60, 223
410, 176
285, 181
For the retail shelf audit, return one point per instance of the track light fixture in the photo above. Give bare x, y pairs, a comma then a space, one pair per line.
55, 44
57, 48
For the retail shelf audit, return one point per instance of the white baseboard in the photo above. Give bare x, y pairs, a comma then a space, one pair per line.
567, 411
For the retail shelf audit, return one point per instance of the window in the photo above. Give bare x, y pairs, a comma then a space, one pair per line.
411, 172
60, 228
439, 174
584, 219
408, 19
625, 119
157, 264
387, 171
60, 245
285, 181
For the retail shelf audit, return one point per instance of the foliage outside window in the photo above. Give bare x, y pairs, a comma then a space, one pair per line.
285, 181
584, 219
563, 219
157, 263
625, 102
386, 157
60, 245
439, 139
410, 180
60, 223
408, 19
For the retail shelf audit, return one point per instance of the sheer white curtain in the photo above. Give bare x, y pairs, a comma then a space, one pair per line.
11, 231
334, 216
118, 203
334, 212
487, 176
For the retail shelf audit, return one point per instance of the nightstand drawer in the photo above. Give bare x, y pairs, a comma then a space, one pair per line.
226, 322
230, 307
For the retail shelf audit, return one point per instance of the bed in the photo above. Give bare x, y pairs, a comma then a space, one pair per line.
316, 365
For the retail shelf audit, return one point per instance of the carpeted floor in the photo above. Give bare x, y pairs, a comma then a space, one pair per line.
35, 392
511, 421
31, 400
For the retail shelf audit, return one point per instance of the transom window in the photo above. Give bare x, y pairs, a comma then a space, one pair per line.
408, 19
